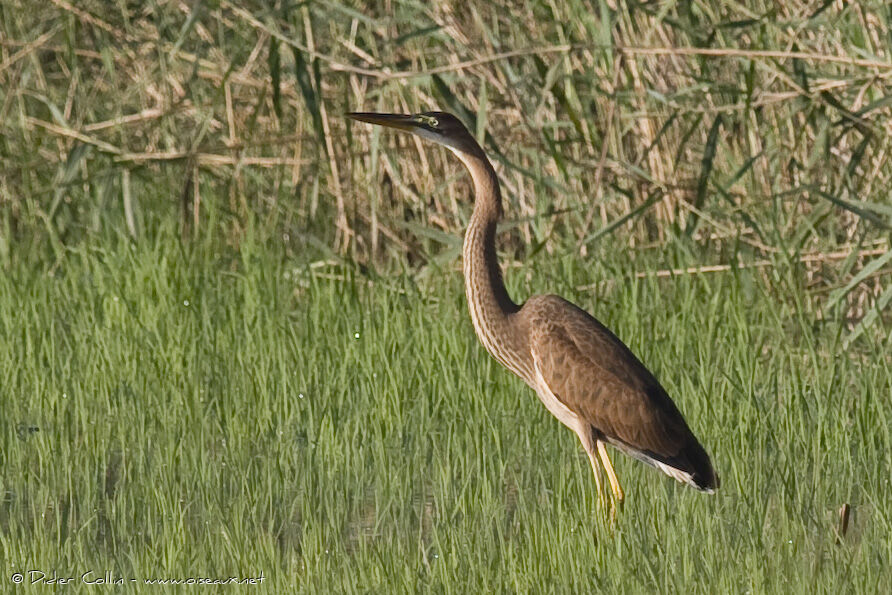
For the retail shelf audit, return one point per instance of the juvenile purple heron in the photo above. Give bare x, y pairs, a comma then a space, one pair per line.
584, 375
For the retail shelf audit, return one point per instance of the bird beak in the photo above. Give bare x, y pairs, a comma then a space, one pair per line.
398, 121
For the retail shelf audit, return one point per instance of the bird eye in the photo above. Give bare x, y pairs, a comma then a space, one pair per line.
428, 121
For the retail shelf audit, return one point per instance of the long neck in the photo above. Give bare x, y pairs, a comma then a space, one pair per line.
492, 310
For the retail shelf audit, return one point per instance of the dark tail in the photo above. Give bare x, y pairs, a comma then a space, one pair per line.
694, 460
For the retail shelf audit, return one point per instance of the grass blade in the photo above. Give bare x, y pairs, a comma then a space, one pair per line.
705, 170
651, 200
861, 208
275, 73
871, 267
871, 317
305, 73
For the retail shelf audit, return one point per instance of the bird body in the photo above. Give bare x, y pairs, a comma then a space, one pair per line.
583, 374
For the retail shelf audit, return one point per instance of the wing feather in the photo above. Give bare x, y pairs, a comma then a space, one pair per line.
594, 374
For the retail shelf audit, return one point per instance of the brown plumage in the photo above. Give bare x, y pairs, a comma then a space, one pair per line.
581, 371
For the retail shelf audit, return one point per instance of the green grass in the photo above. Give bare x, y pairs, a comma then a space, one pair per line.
343, 433
233, 338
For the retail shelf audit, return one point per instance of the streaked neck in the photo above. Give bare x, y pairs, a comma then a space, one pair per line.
483, 276
492, 309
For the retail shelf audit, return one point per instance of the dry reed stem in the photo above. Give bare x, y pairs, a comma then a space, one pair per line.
92, 20
160, 100
718, 268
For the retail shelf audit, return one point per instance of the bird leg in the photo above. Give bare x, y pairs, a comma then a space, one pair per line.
611, 474
597, 469
588, 439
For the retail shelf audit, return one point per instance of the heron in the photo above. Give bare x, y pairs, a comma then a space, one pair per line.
581, 371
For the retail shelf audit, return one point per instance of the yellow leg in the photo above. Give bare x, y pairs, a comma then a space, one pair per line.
597, 470
584, 431
611, 474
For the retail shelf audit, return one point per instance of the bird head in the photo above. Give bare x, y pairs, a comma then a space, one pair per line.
440, 127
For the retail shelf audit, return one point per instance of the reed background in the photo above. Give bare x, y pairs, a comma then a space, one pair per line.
234, 337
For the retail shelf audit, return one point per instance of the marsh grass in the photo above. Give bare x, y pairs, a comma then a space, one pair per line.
180, 412
233, 331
